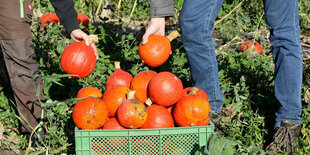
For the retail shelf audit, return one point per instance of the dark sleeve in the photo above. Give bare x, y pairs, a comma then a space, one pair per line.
66, 13
161, 8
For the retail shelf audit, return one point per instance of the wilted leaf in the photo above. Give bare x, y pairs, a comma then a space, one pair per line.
307, 96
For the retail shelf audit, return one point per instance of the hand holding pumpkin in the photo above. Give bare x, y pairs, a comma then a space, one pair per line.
78, 35
155, 26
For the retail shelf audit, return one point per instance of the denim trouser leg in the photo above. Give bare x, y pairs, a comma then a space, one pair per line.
196, 22
282, 20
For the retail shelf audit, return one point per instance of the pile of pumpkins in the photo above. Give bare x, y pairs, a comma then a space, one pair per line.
148, 100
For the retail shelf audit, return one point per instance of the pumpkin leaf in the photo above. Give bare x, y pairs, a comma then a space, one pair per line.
220, 146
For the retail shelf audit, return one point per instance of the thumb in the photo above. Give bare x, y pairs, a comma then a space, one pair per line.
145, 37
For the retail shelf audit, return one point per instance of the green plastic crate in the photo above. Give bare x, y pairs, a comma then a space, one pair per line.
170, 141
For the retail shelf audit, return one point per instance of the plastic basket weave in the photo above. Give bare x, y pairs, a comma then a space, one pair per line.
170, 141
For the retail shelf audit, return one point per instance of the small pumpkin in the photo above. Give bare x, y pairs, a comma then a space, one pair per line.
157, 50
83, 19
112, 123
253, 47
192, 110
132, 113
140, 82
89, 91
158, 117
79, 59
119, 77
165, 89
114, 97
200, 92
90, 113
145, 146
48, 18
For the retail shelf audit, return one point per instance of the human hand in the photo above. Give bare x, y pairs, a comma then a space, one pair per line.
155, 26
78, 35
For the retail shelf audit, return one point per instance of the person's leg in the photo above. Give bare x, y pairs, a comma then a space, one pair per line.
20, 61
196, 21
282, 20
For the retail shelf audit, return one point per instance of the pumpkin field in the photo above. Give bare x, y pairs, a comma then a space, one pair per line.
246, 78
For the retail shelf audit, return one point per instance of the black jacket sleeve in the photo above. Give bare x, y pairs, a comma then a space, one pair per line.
66, 13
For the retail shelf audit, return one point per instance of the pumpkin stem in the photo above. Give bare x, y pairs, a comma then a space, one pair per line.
193, 90
117, 65
174, 34
131, 94
93, 38
148, 102
192, 124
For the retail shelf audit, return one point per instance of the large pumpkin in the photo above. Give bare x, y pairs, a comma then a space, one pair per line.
158, 117
119, 77
89, 91
114, 97
90, 113
112, 123
200, 92
192, 110
253, 47
140, 82
165, 89
156, 51
83, 19
78, 59
49, 18
131, 113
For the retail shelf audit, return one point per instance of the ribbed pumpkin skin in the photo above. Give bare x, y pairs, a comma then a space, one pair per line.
165, 89
200, 92
156, 51
49, 18
192, 110
78, 59
83, 19
254, 48
119, 77
89, 91
140, 82
114, 97
90, 113
112, 123
132, 114
158, 117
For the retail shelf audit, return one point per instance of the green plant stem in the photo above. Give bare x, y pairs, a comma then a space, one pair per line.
133, 8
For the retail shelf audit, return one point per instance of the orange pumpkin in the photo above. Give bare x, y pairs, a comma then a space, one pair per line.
90, 113
112, 123
131, 113
119, 77
253, 47
200, 92
49, 18
158, 117
140, 82
192, 110
165, 89
114, 97
89, 91
156, 51
83, 19
78, 59
145, 146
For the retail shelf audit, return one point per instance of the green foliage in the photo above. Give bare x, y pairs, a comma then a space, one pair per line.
246, 82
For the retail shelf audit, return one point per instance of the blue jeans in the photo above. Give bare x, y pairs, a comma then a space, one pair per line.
196, 21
